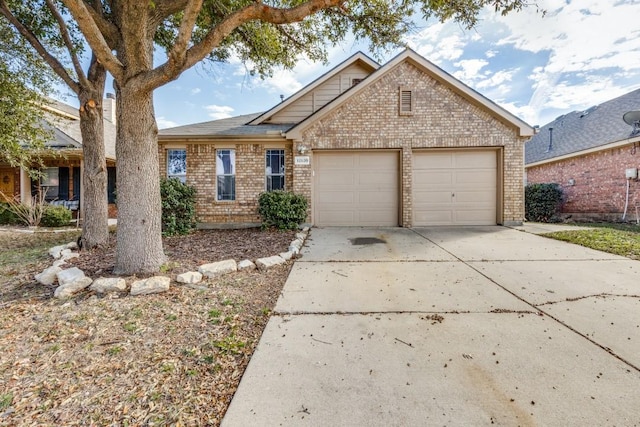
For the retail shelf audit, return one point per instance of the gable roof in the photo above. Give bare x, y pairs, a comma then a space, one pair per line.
231, 127
358, 57
578, 131
253, 126
64, 120
432, 70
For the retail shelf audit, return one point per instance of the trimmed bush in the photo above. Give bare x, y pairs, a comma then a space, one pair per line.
55, 216
7, 216
542, 202
178, 207
282, 209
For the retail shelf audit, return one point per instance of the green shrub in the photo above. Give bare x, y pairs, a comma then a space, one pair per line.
282, 209
55, 216
542, 202
178, 207
7, 216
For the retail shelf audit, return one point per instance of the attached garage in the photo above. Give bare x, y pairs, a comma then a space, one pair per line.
356, 188
455, 187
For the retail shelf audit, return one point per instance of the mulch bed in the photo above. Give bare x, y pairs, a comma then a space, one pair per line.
186, 253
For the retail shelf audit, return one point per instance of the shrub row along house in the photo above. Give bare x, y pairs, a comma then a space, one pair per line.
594, 156
63, 160
402, 144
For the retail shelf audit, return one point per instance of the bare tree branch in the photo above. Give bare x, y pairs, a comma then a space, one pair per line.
33, 40
177, 55
66, 37
95, 38
256, 11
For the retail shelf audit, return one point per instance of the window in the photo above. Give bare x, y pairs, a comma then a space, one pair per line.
177, 164
50, 182
226, 174
406, 102
275, 170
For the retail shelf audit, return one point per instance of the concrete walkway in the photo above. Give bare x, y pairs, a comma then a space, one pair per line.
448, 326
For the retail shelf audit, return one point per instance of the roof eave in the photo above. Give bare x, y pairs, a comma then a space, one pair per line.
209, 137
604, 147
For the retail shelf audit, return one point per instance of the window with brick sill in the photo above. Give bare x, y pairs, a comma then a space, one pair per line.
177, 164
225, 175
274, 170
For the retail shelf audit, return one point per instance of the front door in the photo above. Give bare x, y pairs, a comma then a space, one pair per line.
6, 184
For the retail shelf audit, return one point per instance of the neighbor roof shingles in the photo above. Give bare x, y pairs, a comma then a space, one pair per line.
581, 130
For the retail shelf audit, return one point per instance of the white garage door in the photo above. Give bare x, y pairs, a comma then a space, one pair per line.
356, 188
454, 188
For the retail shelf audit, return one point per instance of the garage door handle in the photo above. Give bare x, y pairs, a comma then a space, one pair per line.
453, 194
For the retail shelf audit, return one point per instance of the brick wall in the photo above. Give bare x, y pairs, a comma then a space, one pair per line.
250, 179
367, 120
442, 119
599, 188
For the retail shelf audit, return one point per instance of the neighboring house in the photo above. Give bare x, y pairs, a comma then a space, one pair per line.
62, 174
403, 144
588, 153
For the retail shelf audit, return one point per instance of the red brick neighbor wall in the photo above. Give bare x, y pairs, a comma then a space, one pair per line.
441, 119
250, 179
599, 184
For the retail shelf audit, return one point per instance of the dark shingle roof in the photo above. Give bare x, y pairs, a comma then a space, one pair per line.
581, 130
233, 126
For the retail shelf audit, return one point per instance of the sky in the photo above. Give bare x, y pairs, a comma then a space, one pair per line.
579, 54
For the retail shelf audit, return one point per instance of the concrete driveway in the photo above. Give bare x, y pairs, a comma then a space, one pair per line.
448, 326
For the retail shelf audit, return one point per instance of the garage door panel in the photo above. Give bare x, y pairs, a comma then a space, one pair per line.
435, 217
334, 162
335, 216
477, 178
336, 197
433, 178
456, 187
485, 198
475, 217
475, 159
441, 160
356, 188
381, 179
426, 198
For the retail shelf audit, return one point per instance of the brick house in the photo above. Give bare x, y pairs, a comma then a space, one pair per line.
402, 144
588, 153
63, 161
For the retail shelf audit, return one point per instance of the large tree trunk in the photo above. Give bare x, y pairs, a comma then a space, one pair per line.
139, 238
95, 229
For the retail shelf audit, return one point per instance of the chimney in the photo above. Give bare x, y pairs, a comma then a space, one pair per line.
109, 108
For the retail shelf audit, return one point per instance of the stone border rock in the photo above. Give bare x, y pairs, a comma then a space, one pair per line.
72, 280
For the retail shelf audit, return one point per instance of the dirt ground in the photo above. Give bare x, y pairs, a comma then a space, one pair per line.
167, 359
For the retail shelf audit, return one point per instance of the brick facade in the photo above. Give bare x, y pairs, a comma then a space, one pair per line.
369, 119
442, 119
598, 189
250, 179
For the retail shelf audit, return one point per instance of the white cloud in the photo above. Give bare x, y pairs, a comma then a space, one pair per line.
163, 123
470, 69
438, 42
218, 112
497, 79
195, 91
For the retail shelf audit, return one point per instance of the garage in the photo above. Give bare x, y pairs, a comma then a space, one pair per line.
455, 187
356, 188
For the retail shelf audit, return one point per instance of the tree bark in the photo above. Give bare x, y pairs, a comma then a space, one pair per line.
95, 230
139, 237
